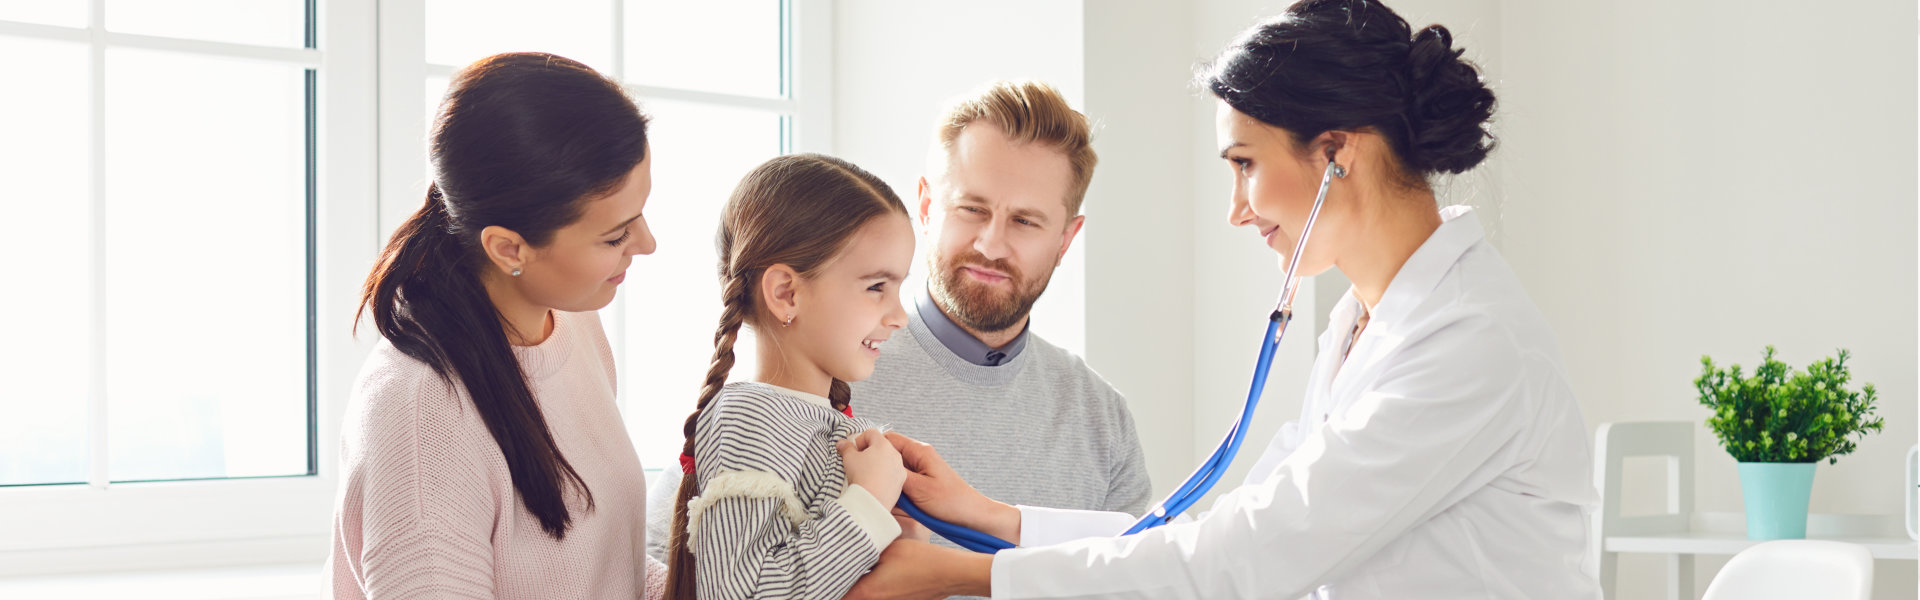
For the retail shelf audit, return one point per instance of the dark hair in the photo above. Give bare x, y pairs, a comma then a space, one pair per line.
521, 141
799, 210
1346, 65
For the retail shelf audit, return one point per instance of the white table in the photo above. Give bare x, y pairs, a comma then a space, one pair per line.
1725, 534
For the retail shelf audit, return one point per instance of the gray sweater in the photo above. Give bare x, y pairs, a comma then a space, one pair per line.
1041, 429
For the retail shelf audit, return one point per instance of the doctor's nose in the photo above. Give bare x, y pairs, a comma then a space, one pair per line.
1239, 212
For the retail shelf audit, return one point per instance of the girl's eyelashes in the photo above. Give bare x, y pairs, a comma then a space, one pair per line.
878, 287
622, 239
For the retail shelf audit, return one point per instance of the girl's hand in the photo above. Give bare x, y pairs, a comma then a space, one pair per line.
873, 463
937, 489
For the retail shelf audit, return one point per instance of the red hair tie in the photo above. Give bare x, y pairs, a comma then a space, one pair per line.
847, 410
686, 464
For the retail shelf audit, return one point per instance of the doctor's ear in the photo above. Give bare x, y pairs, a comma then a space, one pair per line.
1334, 146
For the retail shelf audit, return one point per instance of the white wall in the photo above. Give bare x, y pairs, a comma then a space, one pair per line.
1687, 178
1139, 262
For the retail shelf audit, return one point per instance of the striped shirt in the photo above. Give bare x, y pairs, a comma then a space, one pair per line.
775, 516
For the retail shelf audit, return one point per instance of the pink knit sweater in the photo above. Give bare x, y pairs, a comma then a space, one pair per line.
427, 507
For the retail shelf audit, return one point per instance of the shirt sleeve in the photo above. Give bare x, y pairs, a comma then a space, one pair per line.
753, 537
416, 519
1041, 526
1400, 455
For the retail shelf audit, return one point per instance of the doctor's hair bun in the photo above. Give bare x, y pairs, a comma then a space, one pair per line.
1450, 109
1351, 65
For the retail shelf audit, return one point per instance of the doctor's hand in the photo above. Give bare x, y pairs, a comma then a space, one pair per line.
916, 570
937, 489
873, 463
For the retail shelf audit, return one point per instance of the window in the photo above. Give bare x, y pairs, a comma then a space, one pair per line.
195, 197
208, 182
155, 165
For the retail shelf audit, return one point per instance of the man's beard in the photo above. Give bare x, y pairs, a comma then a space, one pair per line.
979, 306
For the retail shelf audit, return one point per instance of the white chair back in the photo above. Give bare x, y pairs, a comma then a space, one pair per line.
1796, 570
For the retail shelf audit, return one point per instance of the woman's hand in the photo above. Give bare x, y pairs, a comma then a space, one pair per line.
873, 463
937, 489
915, 570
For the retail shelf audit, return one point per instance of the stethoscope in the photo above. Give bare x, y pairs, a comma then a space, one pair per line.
1203, 478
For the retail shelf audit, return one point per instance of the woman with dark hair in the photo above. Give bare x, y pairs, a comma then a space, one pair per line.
1440, 452
482, 452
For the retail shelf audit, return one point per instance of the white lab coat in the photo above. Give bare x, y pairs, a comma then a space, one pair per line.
1445, 459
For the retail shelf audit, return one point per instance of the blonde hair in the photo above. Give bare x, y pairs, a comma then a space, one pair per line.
1028, 111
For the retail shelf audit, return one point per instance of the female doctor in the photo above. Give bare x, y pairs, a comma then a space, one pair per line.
1440, 453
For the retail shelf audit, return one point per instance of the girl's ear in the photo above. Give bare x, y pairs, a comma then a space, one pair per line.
779, 292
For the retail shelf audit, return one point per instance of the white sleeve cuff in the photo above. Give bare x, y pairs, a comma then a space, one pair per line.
872, 518
744, 484
1040, 526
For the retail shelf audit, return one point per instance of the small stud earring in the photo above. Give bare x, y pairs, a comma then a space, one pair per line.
516, 273
789, 321
1339, 171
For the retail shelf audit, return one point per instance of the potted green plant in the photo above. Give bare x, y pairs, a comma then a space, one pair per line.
1780, 424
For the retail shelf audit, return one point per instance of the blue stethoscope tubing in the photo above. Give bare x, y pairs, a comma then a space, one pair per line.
960, 536
1201, 481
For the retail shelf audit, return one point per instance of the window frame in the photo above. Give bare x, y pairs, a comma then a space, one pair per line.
368, 105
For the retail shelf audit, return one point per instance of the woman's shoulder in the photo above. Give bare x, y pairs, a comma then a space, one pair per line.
390, 373
397, 393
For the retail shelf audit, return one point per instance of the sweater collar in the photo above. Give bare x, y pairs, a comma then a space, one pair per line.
542, 360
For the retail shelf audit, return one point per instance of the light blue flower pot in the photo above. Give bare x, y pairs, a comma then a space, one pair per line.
1776, 495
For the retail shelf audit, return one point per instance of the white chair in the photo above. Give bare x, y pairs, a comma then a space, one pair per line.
1613, 444
1795, 569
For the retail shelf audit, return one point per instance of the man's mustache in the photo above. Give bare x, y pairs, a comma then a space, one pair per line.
976, 259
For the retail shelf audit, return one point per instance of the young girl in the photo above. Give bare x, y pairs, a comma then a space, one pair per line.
482, 452
787, 495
